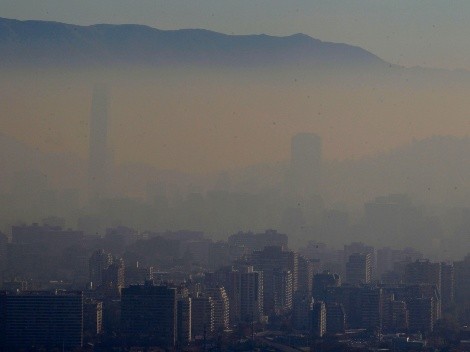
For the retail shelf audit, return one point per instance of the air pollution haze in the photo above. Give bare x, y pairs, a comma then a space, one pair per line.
188, 189
195, 119
219, 104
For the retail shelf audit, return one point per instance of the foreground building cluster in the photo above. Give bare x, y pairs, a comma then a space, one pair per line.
183, 291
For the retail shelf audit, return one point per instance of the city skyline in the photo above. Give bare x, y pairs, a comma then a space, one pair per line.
234, 176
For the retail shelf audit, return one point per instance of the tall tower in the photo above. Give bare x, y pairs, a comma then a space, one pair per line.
359, 268
305, 168
98, 150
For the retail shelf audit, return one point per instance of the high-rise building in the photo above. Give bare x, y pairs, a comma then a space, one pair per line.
251, 294
98, 149
136, 274
359, 247
424, 272
462, 280
371, 307
183, 320
3, 252
302, 305
149, 312
305, 275
422, 302
305, 168
221, 307
321, 282
335, 318
350, 297
359, 268
113, 279
202, 316
395, 317
282, 291
447, 284
42, 319
92, 318
318, 322
219, 255
271, 260
421, 316
99, 261
230, 279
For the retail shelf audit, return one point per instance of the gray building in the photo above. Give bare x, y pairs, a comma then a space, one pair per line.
359, 268
318, 321
272, 261
183, 320
221, 307
149, 311
41, 319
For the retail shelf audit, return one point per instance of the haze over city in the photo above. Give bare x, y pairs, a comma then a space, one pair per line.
234, 176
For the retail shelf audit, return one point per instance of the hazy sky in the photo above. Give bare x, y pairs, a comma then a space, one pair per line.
407, 32
198, 124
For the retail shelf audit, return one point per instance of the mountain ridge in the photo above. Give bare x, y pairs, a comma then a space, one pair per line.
34, 42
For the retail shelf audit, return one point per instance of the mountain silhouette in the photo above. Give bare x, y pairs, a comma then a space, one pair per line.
52, 43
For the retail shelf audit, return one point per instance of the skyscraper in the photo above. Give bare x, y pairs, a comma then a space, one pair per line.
302, 304
335, 318
272, 261
371, 308
318, 322
183, 320
447, 284
251, 294
98, 263
221, 307
305, 275
359, 268
321, 282
98, 148
202, 316
424, 272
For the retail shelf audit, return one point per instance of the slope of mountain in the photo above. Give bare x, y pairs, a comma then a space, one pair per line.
53, 43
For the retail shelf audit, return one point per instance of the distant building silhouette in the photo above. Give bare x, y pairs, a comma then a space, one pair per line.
256, 242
